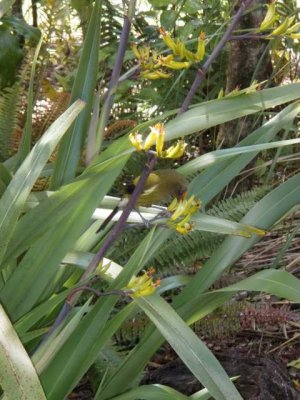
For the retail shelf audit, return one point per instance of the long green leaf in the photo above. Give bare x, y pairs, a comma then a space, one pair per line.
60, 204
152, 392
192, 303
44, 309
85, 82
54, 240
25, 144
214, 157
13, 200
264, 214
211, 181
192, 351
4, 6
45, 354
18, 377
280, 283
210, 223
217, 112
87, 340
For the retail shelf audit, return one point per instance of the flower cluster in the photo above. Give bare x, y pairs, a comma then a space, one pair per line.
143, 285
286, 28
181, 213
178, 48
150, 63
153, 65
157, 137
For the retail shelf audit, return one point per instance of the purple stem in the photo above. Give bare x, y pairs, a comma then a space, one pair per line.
114, 80
114, 233
202, 72
120, 225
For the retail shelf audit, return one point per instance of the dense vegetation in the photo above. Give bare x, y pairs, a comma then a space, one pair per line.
94, 94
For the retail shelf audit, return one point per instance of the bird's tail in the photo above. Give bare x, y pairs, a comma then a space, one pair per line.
108, 219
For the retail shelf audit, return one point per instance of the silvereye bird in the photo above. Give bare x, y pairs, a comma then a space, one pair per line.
161, 187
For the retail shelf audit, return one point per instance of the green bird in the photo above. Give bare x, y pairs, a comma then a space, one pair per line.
161, 187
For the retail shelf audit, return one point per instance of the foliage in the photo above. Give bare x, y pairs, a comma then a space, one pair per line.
50, 252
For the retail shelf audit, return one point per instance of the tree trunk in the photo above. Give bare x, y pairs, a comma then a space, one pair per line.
17, 9
248, 60
34, 13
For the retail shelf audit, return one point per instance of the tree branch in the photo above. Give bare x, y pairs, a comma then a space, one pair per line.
202, 72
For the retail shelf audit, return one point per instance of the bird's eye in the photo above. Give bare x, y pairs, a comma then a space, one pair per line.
181, 193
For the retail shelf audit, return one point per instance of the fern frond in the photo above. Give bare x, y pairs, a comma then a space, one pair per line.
9, 109
235, 208
183, 251
47, 113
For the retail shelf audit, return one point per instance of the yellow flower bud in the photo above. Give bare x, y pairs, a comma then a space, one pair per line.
175, 151
270, 18
201, 47
176, 64
159, 130
173, 205
178, 212
155, 75
167, 39
150, 140
184, 228
135, 51
144, 53
181, 50
184, 207
190, 56
136, 141
293, 28
142, 285
294, 35
282, 28
192, 205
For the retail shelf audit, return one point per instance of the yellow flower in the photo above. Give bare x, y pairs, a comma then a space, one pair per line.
175, 64
294, 35
149, 63
184, 227
282, 28
159, 130
168, 40
155, 75
150, 140
175, 151
173, 205
157, 137
182, 211
201, 47
184, 207
143, 285
135, 51
192, 205
270, 17
178, 211
294, 28
136, 140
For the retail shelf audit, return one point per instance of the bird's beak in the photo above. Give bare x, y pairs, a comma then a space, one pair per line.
183, 196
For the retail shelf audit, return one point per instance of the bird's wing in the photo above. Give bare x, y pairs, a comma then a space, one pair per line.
149, 191
152, 180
